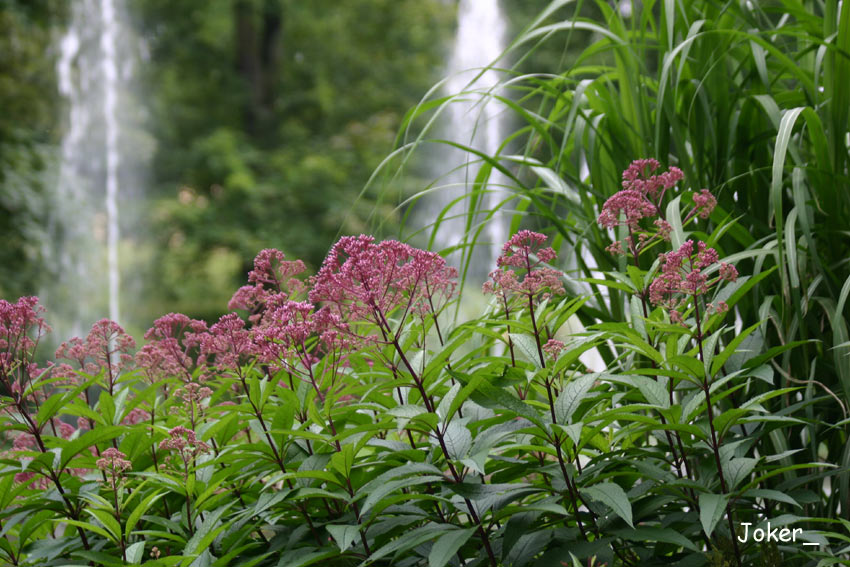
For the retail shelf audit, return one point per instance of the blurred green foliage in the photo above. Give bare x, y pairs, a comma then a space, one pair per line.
27, 122
267, 119
269, 116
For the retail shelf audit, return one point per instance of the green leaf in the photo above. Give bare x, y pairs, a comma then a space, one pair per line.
674, 217
208, 531
637, 317
97, 435
653, 390
651, 533
495, 496
491, 396
458, 440
738, 469
343, 535
447, 401
139, 511
136, 552
385, 489
613, 496
610, 283
106, 407
51, 406
343, 460
447, 545
299, 558
783, 137
89, 527
528, 347
408, 540
572, 396
768, 494
405, 413
573, 431
284, 416
462, 396
395, 472
690, 365
711, 509
527, 546
554, 183
108, 521
730, 349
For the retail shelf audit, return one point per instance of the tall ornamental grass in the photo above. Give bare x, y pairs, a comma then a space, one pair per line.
750, 100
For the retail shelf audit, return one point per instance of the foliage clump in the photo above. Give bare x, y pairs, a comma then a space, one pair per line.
346, 419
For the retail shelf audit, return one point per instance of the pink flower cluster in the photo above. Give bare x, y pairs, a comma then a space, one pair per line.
553, 348
364, 280
273, 275
525, 251
682, 274
194, 393
630, 203
175, 340
21, 327
113, 462
641, 194
106, 348
704, 203
360, 281
287, 330
641, 198
184, 441
638, 176
228, 343
136, 416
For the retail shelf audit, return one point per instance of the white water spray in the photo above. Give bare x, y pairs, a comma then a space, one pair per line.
92, 70
477, 121
109, 69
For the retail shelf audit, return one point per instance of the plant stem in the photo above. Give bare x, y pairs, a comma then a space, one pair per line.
482, 533
678, 460
531, 312
54, 476
118, 517
714, 445
278, 459
510, 342
338, 447
485, 540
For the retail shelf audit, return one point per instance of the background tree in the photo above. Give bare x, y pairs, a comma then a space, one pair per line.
27, 132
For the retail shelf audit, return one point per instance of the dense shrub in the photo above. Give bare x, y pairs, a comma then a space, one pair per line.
345, 421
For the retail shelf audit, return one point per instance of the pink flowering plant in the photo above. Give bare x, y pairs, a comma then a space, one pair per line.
345, 418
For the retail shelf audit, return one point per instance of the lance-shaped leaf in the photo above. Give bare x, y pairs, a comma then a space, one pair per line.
613, 496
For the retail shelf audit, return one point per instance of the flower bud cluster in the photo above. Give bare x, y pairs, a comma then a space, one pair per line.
21, 327
641, 198
682, 276
173, 348
105, 349
113, 462
553, 348
185, 443
273, 276
366, 281
525, 251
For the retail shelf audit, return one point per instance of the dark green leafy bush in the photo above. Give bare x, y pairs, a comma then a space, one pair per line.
348, 423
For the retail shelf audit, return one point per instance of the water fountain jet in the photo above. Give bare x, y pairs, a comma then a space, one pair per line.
92, 70
475, 119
